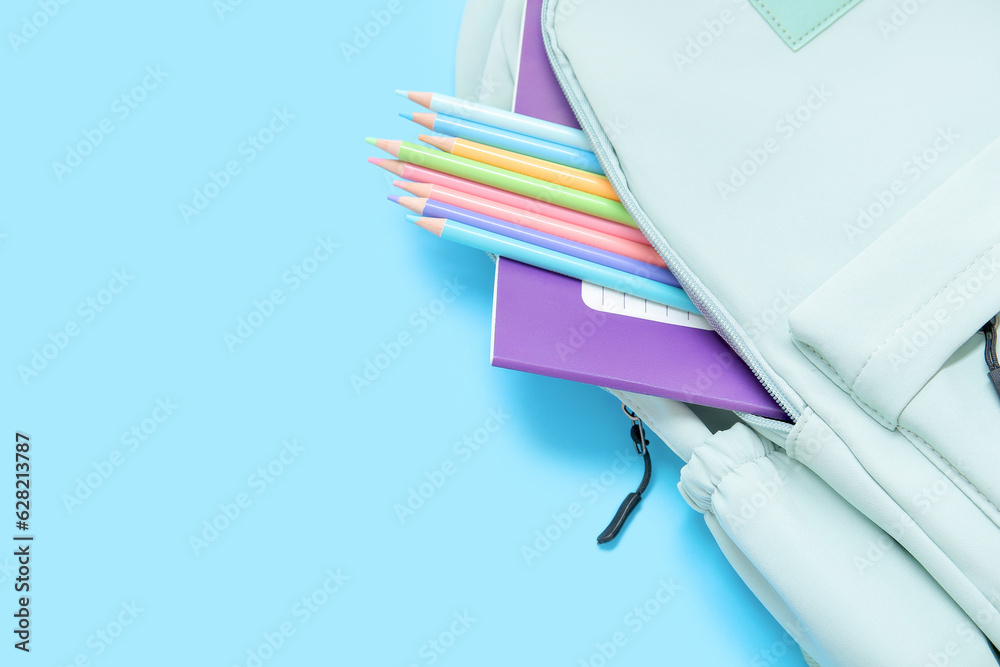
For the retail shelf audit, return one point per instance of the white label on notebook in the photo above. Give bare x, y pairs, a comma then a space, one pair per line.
608, 300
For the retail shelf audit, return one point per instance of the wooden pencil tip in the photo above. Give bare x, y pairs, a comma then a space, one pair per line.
418, 189
402, 93
389, 146
433, 225
415, 204
424, 118
393, 166
441, 143
423, 99
371, 140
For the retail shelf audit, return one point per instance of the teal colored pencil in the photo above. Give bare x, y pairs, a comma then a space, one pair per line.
557, 262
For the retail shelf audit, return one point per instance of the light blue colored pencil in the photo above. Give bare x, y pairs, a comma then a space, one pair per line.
506, 120
557, 262
507, 140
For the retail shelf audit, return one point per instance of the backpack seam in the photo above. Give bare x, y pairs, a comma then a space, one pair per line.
818, 26
908, 432
917, 312
889, 423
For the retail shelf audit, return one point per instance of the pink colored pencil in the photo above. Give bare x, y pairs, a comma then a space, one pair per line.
517, 216
414, 172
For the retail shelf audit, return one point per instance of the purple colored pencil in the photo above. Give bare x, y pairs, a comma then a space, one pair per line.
436, 209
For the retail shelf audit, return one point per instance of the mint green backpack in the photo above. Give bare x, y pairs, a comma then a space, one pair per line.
824, 180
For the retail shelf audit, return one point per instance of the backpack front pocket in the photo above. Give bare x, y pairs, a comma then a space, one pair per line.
887, 322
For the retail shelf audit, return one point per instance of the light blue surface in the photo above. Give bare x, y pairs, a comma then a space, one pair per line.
167, 331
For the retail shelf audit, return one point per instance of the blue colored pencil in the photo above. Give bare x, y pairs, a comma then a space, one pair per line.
507, 140
435, 209
557, 262
507, 120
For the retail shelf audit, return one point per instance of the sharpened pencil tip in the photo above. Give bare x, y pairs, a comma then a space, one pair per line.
371, 140
406, 114
402, 93
412, 218
376, 160
393, 198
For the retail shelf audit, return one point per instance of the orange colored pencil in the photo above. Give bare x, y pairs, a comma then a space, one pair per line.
569, 177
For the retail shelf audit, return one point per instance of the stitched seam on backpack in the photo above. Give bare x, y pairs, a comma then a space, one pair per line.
889, 422
917, 312
816, 27
804, 419
954, 469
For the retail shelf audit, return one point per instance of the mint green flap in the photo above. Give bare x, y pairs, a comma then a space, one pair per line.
797, 22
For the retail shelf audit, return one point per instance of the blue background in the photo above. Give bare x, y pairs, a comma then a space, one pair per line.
125, 537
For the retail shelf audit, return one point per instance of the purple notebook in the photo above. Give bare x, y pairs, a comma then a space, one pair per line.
542, 323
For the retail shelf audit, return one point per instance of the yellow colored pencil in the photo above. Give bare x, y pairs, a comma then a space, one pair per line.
552, 172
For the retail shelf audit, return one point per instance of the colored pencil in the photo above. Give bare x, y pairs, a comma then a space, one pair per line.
556, 261
434, 209
504, 179
505, 120
567, 230
511, 141
440, 179
569, 177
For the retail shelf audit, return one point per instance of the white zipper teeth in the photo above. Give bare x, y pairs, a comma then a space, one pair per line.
698, 295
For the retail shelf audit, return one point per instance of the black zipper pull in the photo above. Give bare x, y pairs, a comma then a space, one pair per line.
990, 330
638, 433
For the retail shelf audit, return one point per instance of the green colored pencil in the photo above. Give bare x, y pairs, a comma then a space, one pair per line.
505, 180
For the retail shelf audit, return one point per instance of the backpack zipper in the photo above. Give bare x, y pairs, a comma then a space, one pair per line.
992, 364
706, 304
